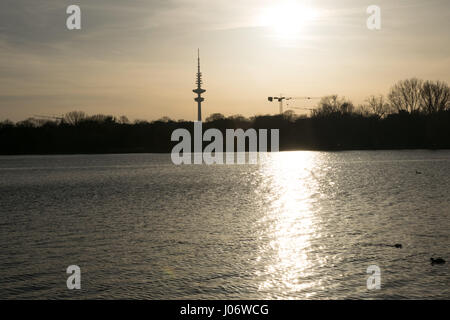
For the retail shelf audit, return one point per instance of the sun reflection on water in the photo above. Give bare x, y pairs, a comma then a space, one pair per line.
289, 224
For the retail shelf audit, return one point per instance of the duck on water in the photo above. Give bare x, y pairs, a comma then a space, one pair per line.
437, 261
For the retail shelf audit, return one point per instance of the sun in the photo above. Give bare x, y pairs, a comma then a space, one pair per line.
287, 19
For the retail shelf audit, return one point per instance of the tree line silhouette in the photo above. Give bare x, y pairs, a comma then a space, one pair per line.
415, 114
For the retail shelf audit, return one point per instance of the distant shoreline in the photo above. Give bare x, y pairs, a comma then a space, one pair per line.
168, 153
333, 131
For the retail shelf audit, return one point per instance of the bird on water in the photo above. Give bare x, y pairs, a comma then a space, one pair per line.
437, 261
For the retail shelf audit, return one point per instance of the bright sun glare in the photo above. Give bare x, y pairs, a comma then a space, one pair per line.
287, 19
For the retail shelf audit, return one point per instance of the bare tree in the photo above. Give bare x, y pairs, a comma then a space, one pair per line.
346, 107
6, 123
289, 115
74, 117
435, 96
237, 117
333, 104
363, 110
28, 123
327, 105
102, 118
406, 95
165, 119
378, 105
214, 117
124, 120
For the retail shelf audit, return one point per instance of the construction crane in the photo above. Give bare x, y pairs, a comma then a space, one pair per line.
281, 98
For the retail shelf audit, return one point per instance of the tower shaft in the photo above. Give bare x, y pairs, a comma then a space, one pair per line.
199, 99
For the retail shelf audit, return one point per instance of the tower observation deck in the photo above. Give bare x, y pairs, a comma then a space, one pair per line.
199, 99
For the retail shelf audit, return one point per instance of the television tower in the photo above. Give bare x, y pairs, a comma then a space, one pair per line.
199, 89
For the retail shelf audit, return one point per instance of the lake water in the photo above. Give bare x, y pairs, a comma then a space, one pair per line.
298, 225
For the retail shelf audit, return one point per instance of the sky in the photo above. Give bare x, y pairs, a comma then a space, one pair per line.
138, 58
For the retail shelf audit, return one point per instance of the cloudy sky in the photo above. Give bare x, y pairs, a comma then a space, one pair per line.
137, 58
